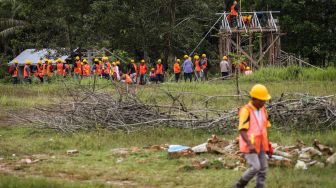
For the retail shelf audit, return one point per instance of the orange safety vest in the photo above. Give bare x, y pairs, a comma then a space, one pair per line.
257, 133
128, 79
98, 69
16, 71
143, 69
107, 68
67, 68
49, 70
135, 68
26, 74
177, 68
44, 69
60, 69
86, 70
233, 11
197, 66
204, 66
78, 68
159, 69
39, 71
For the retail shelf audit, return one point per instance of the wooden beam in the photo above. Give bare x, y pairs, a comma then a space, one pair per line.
246, 54
269, 47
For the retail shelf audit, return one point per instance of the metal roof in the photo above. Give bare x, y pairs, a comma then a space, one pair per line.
35, 55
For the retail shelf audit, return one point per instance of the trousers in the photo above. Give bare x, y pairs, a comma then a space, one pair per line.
258, 167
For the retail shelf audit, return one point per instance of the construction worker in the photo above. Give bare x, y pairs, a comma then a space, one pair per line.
27, 71
248, 71
50, 68
78, 68
187, 68
253, 139
45, 70
152, 75
224, 67
125, 78
39, 71
198, 69
97, 69
159, 71
59, 67
132, 70
66, 69
177, 70
143, 71
232, 17
106, 68
204, 67
115, 72
86, 69
14, 71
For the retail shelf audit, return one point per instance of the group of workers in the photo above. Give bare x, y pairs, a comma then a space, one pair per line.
192, 69
132, 72
234, 13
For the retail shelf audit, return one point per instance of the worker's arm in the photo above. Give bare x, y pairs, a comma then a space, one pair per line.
243, 134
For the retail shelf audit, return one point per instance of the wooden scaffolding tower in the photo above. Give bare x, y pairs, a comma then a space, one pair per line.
258, 39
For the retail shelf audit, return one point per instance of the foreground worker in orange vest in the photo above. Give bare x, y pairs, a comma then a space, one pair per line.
177, 70
143, 72
253, 139
159, 71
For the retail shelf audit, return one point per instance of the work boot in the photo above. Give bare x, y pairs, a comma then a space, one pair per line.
241, 183
260, 186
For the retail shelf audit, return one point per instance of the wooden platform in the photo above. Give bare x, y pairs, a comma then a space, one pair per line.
250, 30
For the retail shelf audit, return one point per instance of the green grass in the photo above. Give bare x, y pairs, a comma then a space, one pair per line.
96, 164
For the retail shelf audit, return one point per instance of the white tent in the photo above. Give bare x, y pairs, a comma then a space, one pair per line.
35, 55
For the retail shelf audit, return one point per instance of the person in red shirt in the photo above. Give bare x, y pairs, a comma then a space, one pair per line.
198, 69
143, 71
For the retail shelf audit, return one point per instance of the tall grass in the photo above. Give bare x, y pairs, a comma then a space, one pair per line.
293, 73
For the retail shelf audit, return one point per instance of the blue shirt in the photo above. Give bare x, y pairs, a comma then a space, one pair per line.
187, 66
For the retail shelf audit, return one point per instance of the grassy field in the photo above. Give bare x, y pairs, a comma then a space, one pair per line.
97, 166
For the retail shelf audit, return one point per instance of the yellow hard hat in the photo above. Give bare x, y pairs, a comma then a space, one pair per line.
28, 62
152, 69
84, 61
100, 62
16, 62
50, 61
105, 58
39, 62
114, 64
203, 55
178, 60
260, 92
248, 68
118, 62
59, 60
132, 60
46, 60
196, 57
96, 60
186, 56
77, 58
159, 61
225, 58
142, 61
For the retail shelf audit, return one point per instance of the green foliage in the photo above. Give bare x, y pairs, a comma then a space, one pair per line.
292, 73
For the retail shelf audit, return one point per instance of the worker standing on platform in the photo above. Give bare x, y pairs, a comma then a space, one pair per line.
253, 138
233, 16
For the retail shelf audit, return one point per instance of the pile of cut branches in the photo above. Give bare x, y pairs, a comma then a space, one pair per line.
117, 110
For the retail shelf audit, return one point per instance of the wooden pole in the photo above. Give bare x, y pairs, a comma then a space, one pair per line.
260, 47
251, 47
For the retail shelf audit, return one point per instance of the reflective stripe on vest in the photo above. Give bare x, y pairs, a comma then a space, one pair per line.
256, 133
